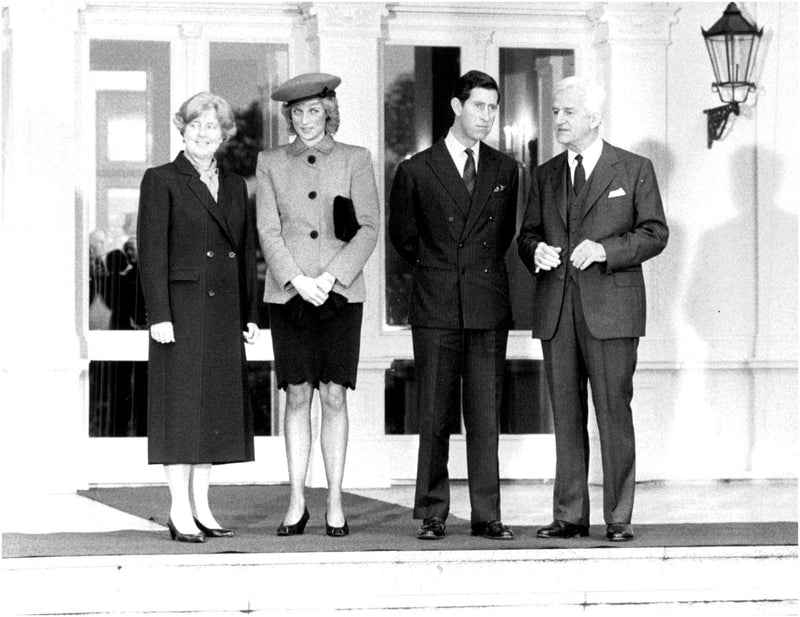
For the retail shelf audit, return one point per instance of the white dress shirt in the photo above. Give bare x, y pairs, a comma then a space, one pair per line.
590, 155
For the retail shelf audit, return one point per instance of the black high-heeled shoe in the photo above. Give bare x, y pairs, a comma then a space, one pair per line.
336, 532
184, 537
297, 529
219, 532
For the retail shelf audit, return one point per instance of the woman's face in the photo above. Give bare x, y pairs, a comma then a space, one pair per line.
308, 120
203, 135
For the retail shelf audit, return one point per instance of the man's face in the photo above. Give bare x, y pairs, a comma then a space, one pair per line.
575, 127
475, 116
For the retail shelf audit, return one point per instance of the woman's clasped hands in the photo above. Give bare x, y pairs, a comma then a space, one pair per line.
314, 290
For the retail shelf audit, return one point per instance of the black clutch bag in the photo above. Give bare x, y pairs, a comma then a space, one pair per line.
302, 313
345, 223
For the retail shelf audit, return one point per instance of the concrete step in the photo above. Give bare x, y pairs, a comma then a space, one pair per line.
727, 581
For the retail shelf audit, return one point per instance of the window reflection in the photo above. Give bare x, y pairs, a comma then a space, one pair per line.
245, 74
130, 82
527, 77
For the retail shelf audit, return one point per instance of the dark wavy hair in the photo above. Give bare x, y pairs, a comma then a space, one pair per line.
470, 80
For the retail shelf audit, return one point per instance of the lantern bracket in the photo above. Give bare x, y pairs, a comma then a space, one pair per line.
718, 119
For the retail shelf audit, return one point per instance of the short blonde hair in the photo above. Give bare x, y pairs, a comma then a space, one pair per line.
331, 106
203, 101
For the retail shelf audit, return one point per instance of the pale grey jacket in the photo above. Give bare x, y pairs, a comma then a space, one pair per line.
294, 204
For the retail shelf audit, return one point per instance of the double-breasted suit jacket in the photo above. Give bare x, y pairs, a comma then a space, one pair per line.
456, 243
460, 313
295, 193
622, 211
197, 263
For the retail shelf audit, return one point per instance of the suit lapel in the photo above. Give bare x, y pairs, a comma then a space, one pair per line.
561, 185
200, 191
601, 178
484, 185
442, 164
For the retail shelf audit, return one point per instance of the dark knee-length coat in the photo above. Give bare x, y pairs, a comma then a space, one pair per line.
197, 268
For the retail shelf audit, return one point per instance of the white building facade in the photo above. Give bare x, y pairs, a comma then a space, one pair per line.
88, 89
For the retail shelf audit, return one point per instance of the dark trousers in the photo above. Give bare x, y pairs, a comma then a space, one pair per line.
573, 357
447, 361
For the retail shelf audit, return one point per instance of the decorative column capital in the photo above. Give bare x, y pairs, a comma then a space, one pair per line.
633, 22
354, 19
481, 40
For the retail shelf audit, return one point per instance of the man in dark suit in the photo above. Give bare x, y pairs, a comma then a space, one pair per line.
594, 214
452, 216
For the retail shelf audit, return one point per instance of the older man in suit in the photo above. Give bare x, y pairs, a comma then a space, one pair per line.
452, 216
594, 215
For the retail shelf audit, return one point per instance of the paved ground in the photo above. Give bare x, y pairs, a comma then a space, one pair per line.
523, 503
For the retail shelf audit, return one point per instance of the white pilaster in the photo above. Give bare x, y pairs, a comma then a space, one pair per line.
350, 39
41, 365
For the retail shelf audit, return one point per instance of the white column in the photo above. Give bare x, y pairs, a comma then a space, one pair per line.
43, 261
350, 39
775, 359
630, 44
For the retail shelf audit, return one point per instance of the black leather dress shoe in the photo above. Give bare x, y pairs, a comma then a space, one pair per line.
494, 530
562, 529
214, 532
432, 529
619, 532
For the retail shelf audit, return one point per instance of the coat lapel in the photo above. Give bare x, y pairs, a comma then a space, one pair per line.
484, 185
200, 191
601, 178
442, 164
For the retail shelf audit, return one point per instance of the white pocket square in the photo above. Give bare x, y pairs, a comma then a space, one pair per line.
616, 193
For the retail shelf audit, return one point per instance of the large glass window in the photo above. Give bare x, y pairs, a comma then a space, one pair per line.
130, 84
417, 112
245, 74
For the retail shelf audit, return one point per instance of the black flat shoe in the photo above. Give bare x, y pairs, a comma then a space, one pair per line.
563, 529
494, 530
218, 532
432, 529
184, 537
297, 529
619, 532
336, 532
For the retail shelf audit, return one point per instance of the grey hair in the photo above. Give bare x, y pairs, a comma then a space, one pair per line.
203, 101
594, 96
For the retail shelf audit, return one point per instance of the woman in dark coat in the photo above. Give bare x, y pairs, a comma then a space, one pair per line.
198, 272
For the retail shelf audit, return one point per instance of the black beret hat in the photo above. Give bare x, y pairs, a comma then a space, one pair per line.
306, 86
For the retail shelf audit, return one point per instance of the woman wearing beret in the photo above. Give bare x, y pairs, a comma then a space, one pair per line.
315, 286
197, 246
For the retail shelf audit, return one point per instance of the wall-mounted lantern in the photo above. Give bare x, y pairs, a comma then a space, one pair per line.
732, 44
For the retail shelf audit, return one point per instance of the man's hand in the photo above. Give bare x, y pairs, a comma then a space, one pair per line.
162, 332
309, 290
251, 336
546, 257
587, 253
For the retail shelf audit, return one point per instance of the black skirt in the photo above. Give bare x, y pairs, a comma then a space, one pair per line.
323, 346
